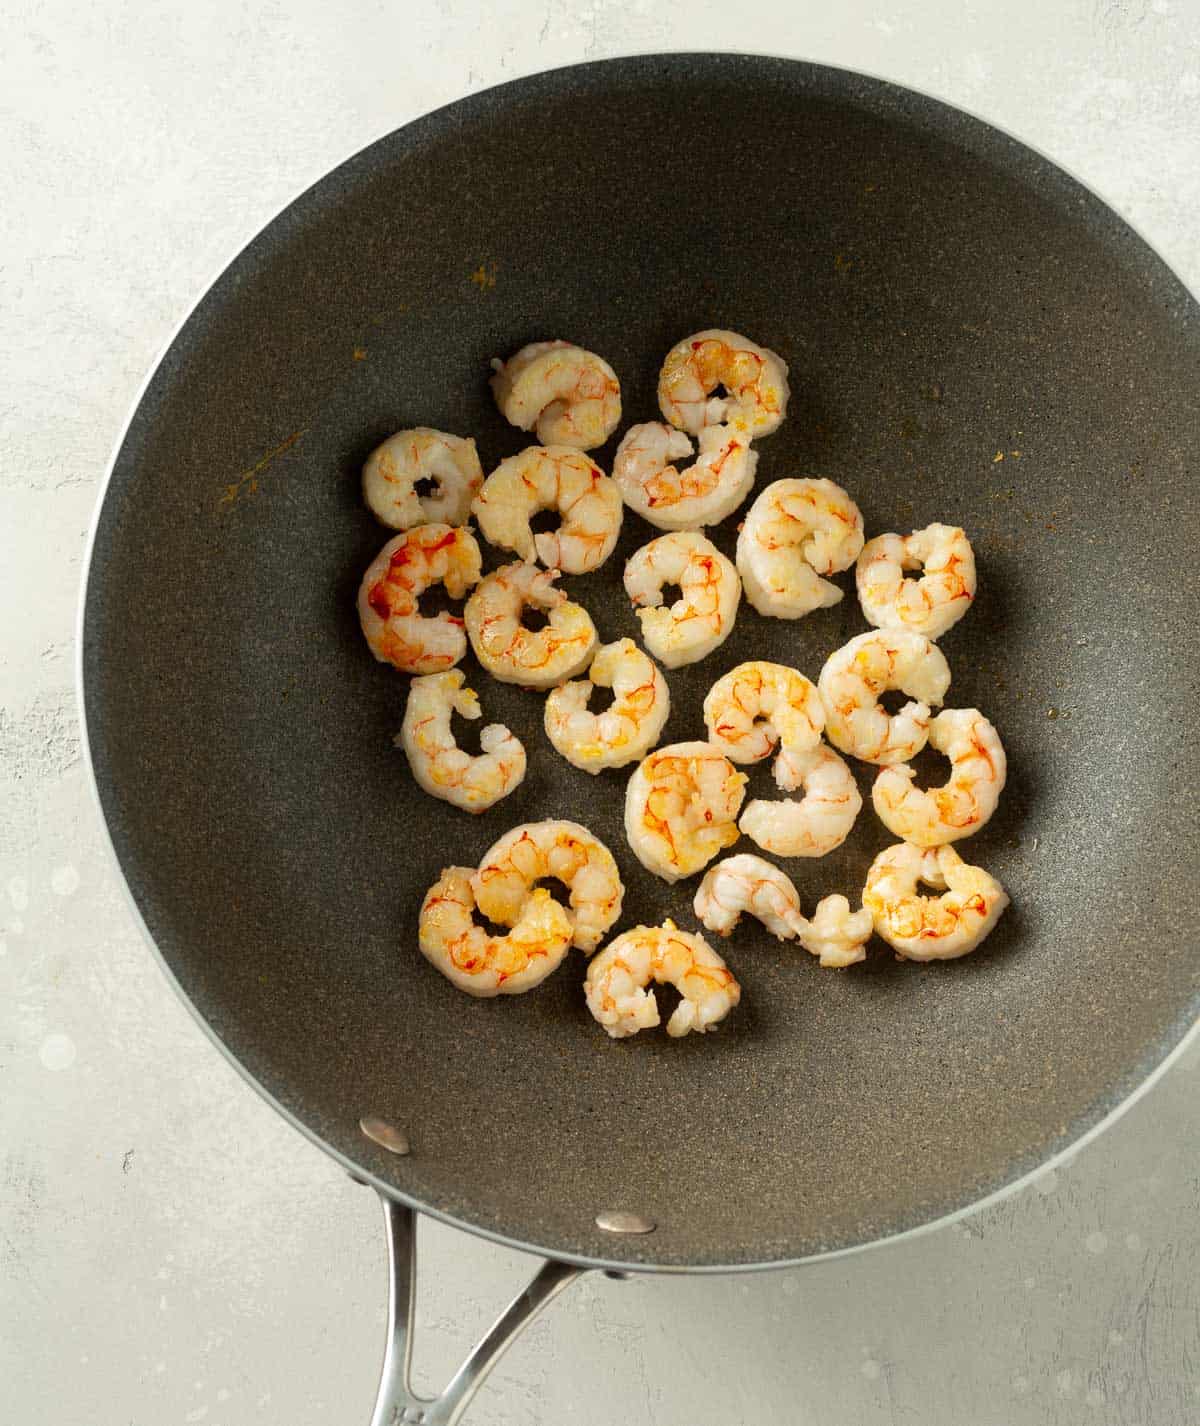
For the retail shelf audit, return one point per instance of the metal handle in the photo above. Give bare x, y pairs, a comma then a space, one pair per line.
397, 1404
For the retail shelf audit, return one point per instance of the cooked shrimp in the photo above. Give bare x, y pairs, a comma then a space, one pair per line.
403, 570
746, 883
681, 808
856, 674
483, 964
960, 808
700, 494
815, 823
837, 935
563, 851
572, 396
929, 605
754, 380
617, 977
551, 478
702, 617
511, 652
757, 707
390, 476
439, 765
628, 728
795, 532
931, 928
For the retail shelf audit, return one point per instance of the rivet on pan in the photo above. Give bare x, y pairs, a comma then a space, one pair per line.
612, 1220
386, 1135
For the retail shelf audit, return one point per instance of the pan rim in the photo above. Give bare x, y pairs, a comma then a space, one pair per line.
360, 1173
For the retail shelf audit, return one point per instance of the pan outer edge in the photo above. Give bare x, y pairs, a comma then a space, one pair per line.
903, 99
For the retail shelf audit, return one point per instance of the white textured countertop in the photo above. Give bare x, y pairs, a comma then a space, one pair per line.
169, 1250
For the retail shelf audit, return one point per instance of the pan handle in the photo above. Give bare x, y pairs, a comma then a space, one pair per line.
397, 1404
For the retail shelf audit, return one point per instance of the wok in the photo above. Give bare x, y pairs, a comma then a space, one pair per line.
974, 337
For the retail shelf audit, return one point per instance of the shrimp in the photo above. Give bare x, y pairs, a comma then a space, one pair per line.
929, 605
396, 630
747, 883
856, 674
551, 478
438, 764
572, 396
757, 707
960, 808
681, 808
617, 977
931, 928
483, 964
754, 381
511, 652
795, 532
628, 728
700, 494
390, 476
563, 851
702, 617
836, 935
816, 823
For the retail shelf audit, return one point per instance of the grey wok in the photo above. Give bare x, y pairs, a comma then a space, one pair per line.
973, 336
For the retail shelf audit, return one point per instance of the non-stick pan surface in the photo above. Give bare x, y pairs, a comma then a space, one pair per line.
974, 338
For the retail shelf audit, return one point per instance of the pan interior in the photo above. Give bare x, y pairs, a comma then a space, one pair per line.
972, 338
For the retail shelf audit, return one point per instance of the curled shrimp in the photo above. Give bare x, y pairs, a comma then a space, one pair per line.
551, 478
617, 979
514, 654
702, 617
703, 493
929, 928
571, 396
856, 674
929, 605
812, 825
478, 962
796, 532
439, 765
758, 707
403, 570
747, 883
628, 728
561, 851
390, 477
681, 808
754, 380
959, 809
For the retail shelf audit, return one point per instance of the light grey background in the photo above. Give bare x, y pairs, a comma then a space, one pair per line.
169, 1250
